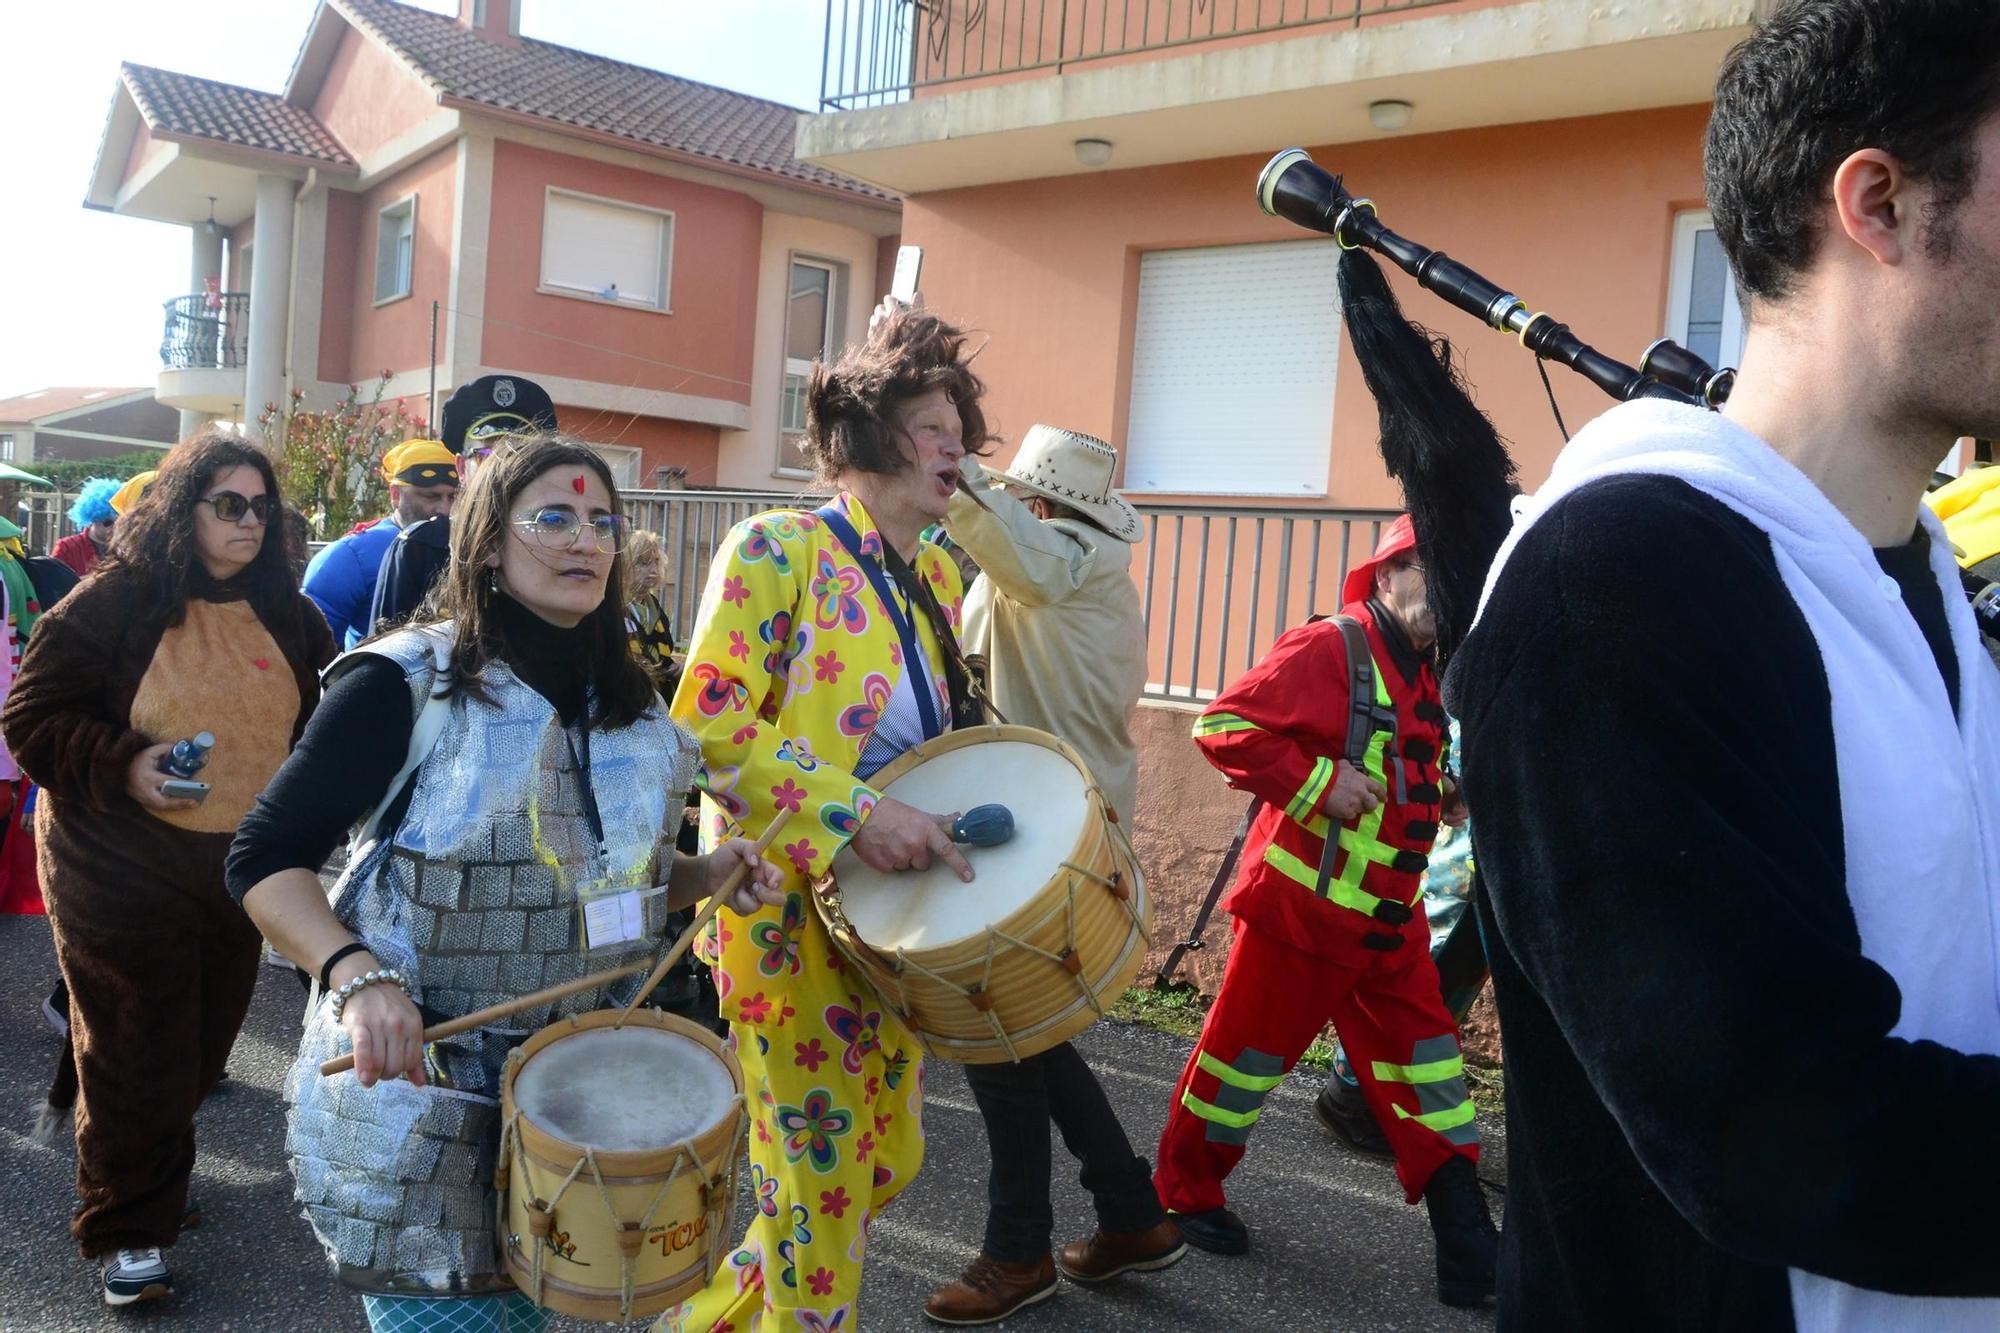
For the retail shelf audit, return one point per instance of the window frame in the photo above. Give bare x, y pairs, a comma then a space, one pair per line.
670, 237
836, 312
1680, 289
7, 448
627, 463
409, 271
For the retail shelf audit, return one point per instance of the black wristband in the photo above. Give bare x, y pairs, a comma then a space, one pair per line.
326, 968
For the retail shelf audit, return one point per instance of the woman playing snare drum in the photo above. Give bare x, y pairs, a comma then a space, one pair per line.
549, 778
822, 651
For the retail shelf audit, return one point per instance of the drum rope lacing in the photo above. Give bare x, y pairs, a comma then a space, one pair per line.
1066, 960
631, 1238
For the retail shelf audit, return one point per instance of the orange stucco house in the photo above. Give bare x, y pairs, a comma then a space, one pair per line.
648, 248
1081, 173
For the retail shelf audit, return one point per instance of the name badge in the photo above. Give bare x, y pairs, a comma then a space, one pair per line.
615, 918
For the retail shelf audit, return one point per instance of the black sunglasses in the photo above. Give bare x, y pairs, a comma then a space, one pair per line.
231, 507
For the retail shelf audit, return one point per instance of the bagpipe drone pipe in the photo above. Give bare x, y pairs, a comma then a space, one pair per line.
1457, 477
1456, 474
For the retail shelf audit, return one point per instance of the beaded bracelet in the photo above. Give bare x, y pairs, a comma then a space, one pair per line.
341, 996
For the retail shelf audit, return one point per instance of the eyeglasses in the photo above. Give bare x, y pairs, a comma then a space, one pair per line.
558, 528
231, 507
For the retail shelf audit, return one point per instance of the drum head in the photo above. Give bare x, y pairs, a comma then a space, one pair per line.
927, 908
627, 1089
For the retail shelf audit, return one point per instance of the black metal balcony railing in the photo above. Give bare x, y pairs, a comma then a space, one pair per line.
206, 333
881, 51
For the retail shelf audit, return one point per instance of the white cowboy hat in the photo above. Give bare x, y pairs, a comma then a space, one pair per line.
1075, 470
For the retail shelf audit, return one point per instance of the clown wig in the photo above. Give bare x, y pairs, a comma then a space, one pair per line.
93, 502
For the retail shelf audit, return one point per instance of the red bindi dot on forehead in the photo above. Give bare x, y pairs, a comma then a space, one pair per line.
576, 483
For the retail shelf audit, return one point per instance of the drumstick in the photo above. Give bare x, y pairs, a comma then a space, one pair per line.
493, 1013
736, 877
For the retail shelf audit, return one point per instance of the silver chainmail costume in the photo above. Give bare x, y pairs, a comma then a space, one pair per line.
473, 897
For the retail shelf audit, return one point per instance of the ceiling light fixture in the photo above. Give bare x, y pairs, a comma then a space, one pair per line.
211, 226
1093, 152
1389, 114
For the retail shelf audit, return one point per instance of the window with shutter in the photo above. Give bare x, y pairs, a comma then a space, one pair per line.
1703, 314
608, 250
395, 249
1233, 358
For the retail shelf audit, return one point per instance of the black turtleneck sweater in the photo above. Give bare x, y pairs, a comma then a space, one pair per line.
359, 736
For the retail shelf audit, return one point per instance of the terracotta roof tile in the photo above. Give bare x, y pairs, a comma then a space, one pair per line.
49, 402
202, 108
570, 87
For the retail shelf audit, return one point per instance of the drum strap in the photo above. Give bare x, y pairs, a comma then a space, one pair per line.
904, 620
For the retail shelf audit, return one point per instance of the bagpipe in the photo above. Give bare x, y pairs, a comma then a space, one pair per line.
1425, 444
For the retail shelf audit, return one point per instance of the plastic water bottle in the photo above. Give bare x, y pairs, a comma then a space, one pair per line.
188, 757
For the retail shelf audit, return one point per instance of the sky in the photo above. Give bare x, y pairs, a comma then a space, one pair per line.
85, 288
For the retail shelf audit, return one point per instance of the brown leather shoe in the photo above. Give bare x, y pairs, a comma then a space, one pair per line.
1109, 1253
988, 1291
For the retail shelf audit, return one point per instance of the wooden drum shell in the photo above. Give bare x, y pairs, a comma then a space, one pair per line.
583, 1253
1007, 992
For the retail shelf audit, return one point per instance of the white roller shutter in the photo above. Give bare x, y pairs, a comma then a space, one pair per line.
1233, 361
603, 249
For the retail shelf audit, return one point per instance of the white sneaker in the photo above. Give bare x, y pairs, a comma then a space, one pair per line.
57, 1019
136, 1275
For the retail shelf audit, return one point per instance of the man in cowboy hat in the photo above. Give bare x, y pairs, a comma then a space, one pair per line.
1056, 618
1340, 732
476, 418
423, 483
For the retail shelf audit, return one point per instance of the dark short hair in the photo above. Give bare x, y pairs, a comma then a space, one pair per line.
1821, 79
851, 404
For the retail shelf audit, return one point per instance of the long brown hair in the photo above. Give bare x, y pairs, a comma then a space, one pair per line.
155, 541
464, 594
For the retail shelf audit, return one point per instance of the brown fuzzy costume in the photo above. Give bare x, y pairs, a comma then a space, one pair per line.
160, 962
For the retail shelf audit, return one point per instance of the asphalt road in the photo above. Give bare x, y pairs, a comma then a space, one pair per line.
1334, 1248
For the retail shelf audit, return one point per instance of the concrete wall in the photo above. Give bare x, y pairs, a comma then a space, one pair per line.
661, 442
367, 97
702, 347
749, 458
1576, 216
358, 338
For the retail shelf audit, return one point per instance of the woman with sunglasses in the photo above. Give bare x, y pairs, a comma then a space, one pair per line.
550, 779
194, 624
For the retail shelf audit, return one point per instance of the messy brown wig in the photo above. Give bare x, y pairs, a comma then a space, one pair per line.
851, 405
480, 523
154, 541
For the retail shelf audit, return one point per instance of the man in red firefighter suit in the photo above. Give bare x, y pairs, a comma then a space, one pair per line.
1347, 742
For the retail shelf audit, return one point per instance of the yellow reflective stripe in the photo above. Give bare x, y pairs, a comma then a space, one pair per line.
1307, 801
1233, 1119
1450, 1118
1347, 895
1236, 1078
1210, 724
1434, 1071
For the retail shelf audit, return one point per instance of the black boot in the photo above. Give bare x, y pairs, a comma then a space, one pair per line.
1343, 1112
1217, 1230
1468, 1244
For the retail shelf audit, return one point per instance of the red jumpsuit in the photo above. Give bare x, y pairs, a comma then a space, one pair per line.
1357, 953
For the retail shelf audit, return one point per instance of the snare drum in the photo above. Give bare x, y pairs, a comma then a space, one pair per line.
618, 1158
1025, 957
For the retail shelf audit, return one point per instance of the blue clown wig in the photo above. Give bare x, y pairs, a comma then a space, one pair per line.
93, 502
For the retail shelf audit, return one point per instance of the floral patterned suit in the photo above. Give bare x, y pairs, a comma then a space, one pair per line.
792, 662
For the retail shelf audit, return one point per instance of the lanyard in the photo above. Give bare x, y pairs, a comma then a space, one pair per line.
905, 623
582, 761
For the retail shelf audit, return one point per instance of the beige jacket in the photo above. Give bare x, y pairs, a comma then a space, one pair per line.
1056, 616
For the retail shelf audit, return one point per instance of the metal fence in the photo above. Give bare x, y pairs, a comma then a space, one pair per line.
1218, 585
206, 333
691, 526
882, 51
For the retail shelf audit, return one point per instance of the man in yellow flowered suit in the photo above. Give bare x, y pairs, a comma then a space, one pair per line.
823, 649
